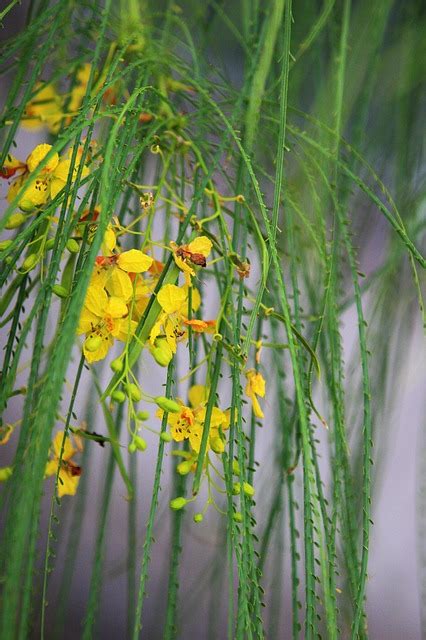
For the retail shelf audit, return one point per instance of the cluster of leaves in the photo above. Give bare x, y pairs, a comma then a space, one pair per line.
171, 218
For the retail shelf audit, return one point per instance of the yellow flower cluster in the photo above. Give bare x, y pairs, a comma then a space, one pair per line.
36, 185
49, 109
188, 423
108, 307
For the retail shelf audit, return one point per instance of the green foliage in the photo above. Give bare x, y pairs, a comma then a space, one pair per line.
262, 127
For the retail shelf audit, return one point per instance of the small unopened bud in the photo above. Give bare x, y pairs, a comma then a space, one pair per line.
166, 437
132, 447
118, 396
238, 517
5, 473
140, 443
236, 488
61, 292
15, 221
167, 404
248, 489
133, 391
178, 503
142, 415
49, 244
235, 468
4, 244
92, 343
184, 467
30, 262
217, 445
198, 517
73, 246
117, 365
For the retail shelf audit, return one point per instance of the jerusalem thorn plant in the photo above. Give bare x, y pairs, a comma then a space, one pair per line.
188, 188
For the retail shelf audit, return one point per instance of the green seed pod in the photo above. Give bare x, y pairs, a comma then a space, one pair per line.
61, 292
4, 244
142, 415
30, 262
184, 467
140, 443
248, 489
198, 517
92, 343
178, 503
73, 246
15, 221
117, 365
133, 391
238, 517
49, 244
167, 404
166, 437
162, 352
118, 396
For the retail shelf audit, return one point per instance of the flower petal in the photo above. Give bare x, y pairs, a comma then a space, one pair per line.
171, 298
201, 245
134, 261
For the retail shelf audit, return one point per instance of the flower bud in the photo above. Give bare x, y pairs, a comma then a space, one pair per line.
167, 404
132, 447
238, 517
117, 365
217, 444
73, 246
15, 221
49, 244
92, 343
30, 262
61, 292
5, 473
162, 352
178, 503
4, 244
142, 415
118, 396
248, 489
235, 468
198, 517
184, 467
236, 488
166, 437
133, 391
140, 443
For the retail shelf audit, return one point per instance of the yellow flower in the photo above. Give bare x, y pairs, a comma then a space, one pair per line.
174, 302
70, 472
194, 253
102, 320
59, 177
255, 387
115, 273
44, 109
